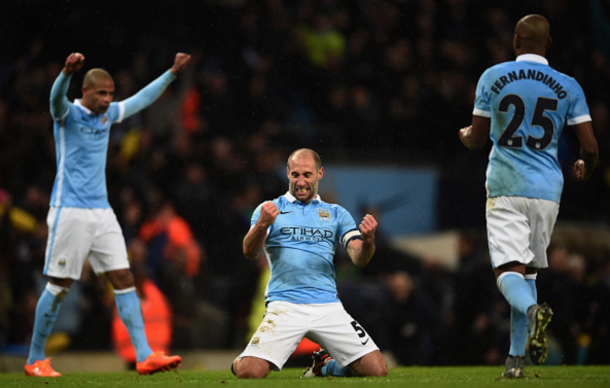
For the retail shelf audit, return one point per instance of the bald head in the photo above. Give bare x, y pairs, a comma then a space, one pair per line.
305, 153
532, 35
95, 75
98, 91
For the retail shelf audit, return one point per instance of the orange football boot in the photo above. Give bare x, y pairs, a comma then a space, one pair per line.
158, 362
41, 368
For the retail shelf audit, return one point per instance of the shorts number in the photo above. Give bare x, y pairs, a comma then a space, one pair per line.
359, 329
507, 139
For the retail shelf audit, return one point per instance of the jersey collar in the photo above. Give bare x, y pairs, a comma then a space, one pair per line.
292, 198
87, 110
532, 58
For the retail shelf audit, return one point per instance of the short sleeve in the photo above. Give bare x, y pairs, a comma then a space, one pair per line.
481, 102
114, 113
347, 227
578, 110
256, 215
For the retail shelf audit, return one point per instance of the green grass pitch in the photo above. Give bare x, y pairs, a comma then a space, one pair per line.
411, 377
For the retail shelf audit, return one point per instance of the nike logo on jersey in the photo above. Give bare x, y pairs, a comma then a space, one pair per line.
285, 212
367, 340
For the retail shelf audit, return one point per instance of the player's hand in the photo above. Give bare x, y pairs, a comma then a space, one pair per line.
269, 212
74, 63
368, 226
580, 169
180, 62
465, 134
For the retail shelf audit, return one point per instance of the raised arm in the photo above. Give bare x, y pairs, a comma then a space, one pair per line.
255, 238
153, 90
59, 101
589, 151
475, 136
362, 251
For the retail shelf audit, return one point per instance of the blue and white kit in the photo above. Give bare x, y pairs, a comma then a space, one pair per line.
81, 222
301, 296
300, 248
528, 104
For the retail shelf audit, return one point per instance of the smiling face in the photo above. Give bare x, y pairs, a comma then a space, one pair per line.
303, 175
98, 91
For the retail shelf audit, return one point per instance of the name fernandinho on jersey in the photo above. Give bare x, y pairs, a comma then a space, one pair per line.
534, 75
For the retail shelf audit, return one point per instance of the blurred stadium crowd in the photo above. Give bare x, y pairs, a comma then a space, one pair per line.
364, 82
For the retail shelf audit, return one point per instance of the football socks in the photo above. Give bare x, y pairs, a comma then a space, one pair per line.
46, 313
518, 332
516, 291
130, 311
334, 369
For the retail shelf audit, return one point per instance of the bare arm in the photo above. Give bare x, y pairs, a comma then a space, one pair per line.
362, 251
475, 136
255, 238
589, 151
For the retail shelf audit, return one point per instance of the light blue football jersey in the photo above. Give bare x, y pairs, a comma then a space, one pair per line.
529, 104
300, 248
81, 142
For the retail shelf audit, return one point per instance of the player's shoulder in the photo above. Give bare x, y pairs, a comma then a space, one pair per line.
558, 75
502, 67
336, 208
73, 112
492, 72
279, 201
114, 110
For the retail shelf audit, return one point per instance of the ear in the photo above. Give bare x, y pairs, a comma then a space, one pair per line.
548, 44
321, 173
516, 42
288, 172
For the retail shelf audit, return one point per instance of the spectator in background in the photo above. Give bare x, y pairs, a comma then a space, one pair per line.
600, 311
174, 262
322, 45
557, 288
475, 302
415, 325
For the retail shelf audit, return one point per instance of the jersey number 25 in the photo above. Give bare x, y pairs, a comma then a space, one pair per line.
508, 138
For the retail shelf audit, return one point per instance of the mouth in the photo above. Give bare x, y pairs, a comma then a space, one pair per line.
302, 191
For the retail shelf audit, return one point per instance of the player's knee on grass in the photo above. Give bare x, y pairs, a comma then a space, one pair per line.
252, 368
372, 364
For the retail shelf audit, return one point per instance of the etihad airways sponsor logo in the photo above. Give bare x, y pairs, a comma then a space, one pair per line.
306, 234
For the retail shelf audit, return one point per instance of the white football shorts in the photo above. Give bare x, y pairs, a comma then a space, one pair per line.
519, 229
328, 324
77, 234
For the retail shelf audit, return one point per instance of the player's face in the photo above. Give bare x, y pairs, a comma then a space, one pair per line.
304, 178
99, 97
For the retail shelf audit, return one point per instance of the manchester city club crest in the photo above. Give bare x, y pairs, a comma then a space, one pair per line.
324, 214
